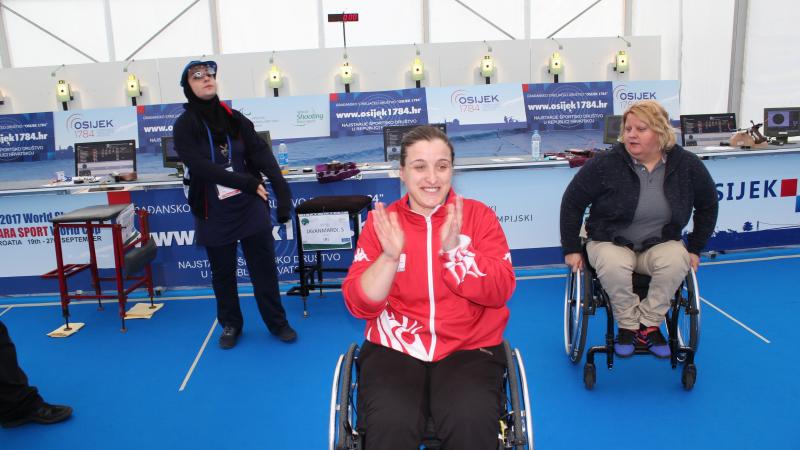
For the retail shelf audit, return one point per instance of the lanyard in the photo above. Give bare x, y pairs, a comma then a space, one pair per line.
211, 144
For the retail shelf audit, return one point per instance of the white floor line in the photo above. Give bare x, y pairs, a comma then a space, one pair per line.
7, 310
746, 260
197, 358
735, 321
541, 277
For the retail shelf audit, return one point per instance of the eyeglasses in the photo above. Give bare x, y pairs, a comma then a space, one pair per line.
198, 73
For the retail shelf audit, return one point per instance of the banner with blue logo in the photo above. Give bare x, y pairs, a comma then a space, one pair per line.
481, 120
26, 137
483, 106
292, 117
666, 92
361, 113
94, 125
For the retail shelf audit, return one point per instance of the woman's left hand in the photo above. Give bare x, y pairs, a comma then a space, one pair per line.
694, 261
262, 192
451, 228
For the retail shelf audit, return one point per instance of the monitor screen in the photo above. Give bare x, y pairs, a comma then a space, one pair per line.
171, 158
103, 158
393, 136
782, 123
612, 126
706, 130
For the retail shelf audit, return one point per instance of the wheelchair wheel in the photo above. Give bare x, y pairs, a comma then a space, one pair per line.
688, 325
341, 433
578, 291
589, 376
527, 412
513, 389
688, 376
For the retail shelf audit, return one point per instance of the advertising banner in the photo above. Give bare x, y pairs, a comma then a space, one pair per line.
94, 125
181, 263
26, 241
527, 204
292, 117
153, 123
26, 137
568, 106
362, 113
667, 92
759, 201
489, 106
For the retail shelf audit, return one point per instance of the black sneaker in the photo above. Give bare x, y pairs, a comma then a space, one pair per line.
652, 337
287, 334
624, 345
46, 414
229, 337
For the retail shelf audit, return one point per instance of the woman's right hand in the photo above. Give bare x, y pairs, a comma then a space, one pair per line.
574, 261
390, 233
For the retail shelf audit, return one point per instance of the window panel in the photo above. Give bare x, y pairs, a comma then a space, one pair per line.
136, 22
260, 26
81, 23
451, 22
604, 19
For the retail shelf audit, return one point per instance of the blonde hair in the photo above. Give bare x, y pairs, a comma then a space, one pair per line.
657, 119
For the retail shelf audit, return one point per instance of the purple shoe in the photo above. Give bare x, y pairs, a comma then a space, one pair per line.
652, 337
623, 346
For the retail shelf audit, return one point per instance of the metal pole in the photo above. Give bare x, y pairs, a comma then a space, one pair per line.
736, 80
485, 19
574, 18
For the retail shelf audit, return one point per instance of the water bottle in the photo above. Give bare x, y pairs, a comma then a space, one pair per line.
283, 156
536, 146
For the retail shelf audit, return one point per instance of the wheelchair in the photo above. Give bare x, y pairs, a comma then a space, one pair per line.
515, 430
584, 295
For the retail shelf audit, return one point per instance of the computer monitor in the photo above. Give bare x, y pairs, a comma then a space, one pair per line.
103, 158
171, 158
704, 130
782, 123
393, 136
612, 126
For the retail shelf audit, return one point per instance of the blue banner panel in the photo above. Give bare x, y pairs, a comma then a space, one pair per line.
568, 106
361, 113
181, 263
26, 137
155, 122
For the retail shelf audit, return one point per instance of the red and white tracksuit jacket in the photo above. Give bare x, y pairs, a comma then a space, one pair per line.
438, 303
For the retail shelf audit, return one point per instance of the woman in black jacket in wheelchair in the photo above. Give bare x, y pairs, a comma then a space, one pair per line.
641, 195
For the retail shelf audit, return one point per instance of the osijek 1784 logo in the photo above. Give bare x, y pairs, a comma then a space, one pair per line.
89, 128
466, 102
759, 189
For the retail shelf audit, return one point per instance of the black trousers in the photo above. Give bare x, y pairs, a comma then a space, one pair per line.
462, 393
17, 398
259, 254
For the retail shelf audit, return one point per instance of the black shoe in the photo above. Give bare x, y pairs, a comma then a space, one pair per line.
229, 337
46, 414
287, 334
624, 345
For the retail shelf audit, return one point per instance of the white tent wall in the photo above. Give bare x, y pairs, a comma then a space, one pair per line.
314, 72
695, 44
772, 60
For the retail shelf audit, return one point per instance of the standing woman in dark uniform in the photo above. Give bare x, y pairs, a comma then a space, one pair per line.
225, 160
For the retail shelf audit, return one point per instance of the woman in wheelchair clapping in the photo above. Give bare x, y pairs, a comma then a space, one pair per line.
641, 195
431, 275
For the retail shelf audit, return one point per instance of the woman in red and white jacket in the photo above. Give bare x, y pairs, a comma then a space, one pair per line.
431, 275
